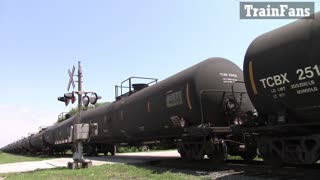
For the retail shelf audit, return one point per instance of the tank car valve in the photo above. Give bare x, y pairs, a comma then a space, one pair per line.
238, 121
183, 122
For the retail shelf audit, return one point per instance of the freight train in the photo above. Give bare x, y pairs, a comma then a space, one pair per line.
193, 109
213, 108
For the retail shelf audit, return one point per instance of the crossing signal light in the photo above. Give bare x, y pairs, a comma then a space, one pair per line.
85, 100
65, 100
70, 96
92, 99
62, 99
73, 99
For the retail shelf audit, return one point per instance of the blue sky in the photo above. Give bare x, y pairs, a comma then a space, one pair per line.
114, 39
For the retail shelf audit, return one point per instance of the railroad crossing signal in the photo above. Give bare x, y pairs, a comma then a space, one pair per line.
78, 143
92, 99
83, 100
71, 81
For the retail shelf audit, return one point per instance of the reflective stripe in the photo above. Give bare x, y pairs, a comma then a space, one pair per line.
253, 84
148, 106
188, 96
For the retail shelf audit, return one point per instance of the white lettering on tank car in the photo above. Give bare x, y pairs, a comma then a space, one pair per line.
280, 89
275, 80
233, 75
275, 96
228, 77
307, 90
223, 74
308, 72
302, 84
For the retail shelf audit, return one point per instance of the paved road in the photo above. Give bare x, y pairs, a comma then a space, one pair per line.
125, 158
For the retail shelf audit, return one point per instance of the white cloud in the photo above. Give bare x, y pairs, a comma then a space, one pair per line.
18, 120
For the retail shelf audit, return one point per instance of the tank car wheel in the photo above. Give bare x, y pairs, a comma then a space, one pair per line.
217, 153
197, 151
191, 152
114, 150
249, 154
269, 157
183, 153
271, 160
91, 150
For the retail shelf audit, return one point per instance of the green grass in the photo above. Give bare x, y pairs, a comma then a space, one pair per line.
257, 158
115, 171
10, 158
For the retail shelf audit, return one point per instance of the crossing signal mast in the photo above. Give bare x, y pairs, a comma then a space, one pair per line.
81, 131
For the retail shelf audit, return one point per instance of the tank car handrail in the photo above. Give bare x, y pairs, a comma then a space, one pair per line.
153, 80
136, 77
214, 91
232, 88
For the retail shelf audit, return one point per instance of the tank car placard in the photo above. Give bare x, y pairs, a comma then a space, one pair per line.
174, 99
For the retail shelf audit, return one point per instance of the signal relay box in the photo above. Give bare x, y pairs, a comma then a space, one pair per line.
81, 131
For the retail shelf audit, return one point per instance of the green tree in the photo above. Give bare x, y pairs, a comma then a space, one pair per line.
74, 111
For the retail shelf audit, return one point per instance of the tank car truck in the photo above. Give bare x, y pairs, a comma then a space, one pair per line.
282, 77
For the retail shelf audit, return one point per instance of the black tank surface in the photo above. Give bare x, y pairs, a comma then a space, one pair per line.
196, 95
48, 136
62, 131
282, 73
36, 141
19, 146
26, 144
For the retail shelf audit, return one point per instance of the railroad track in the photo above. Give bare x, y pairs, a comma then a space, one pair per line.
234, 168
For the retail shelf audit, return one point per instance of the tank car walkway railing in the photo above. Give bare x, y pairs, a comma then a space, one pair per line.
130, 86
